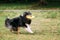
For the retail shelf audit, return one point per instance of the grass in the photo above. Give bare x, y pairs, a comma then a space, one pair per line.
44, 28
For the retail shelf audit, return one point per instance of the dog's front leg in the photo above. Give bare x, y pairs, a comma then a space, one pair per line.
28, 28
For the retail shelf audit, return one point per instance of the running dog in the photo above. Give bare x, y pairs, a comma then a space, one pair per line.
22, 21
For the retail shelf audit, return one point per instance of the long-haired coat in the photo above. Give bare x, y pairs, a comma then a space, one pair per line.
21, 21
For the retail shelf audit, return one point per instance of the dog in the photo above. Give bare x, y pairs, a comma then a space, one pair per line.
21, 21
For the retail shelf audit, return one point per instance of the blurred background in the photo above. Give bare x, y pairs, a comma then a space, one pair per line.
29, 4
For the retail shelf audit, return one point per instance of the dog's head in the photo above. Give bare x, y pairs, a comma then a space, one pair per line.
28, 15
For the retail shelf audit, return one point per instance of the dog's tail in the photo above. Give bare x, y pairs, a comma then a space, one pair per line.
7, 21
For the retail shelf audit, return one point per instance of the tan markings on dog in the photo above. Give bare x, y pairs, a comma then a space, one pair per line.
11, 30
18, 30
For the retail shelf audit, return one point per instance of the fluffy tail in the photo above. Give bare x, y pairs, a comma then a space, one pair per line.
7, 22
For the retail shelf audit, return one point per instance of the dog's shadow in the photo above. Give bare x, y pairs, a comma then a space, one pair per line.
35, 33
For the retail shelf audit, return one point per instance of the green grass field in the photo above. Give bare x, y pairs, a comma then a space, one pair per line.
45, 25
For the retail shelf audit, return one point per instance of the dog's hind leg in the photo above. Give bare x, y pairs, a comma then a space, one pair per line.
18, 30
11, 30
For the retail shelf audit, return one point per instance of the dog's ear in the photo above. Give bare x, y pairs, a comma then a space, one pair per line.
27, 13
24, 14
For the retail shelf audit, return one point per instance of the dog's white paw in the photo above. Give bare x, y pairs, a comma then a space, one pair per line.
29, 29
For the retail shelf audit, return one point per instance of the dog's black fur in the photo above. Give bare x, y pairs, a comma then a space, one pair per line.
18, 21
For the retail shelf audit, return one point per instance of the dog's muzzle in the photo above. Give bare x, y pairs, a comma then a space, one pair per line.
30, 16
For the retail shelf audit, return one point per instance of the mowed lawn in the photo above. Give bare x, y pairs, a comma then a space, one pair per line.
45, 25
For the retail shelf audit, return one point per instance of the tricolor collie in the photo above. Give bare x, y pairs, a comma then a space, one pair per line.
22, 21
